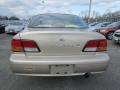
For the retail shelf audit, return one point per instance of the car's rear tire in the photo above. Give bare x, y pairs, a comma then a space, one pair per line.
109, 36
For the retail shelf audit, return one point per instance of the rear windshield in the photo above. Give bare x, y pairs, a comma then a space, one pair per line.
115, 24
102, 24
16, 23
56, 20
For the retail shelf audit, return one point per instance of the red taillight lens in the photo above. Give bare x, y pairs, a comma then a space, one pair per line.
102, 46
19, 45
30, 46
96, 46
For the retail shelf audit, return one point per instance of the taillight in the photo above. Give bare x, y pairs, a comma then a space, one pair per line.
95, 46
19, 45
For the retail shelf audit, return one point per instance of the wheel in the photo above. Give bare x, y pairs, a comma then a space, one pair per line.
110, 35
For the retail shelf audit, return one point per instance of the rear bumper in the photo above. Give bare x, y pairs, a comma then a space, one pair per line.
116, 39
12, 31
21, 65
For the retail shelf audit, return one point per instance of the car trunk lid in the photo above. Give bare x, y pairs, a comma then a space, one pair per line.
59, 41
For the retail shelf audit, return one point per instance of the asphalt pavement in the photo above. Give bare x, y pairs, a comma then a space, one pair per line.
110, 80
